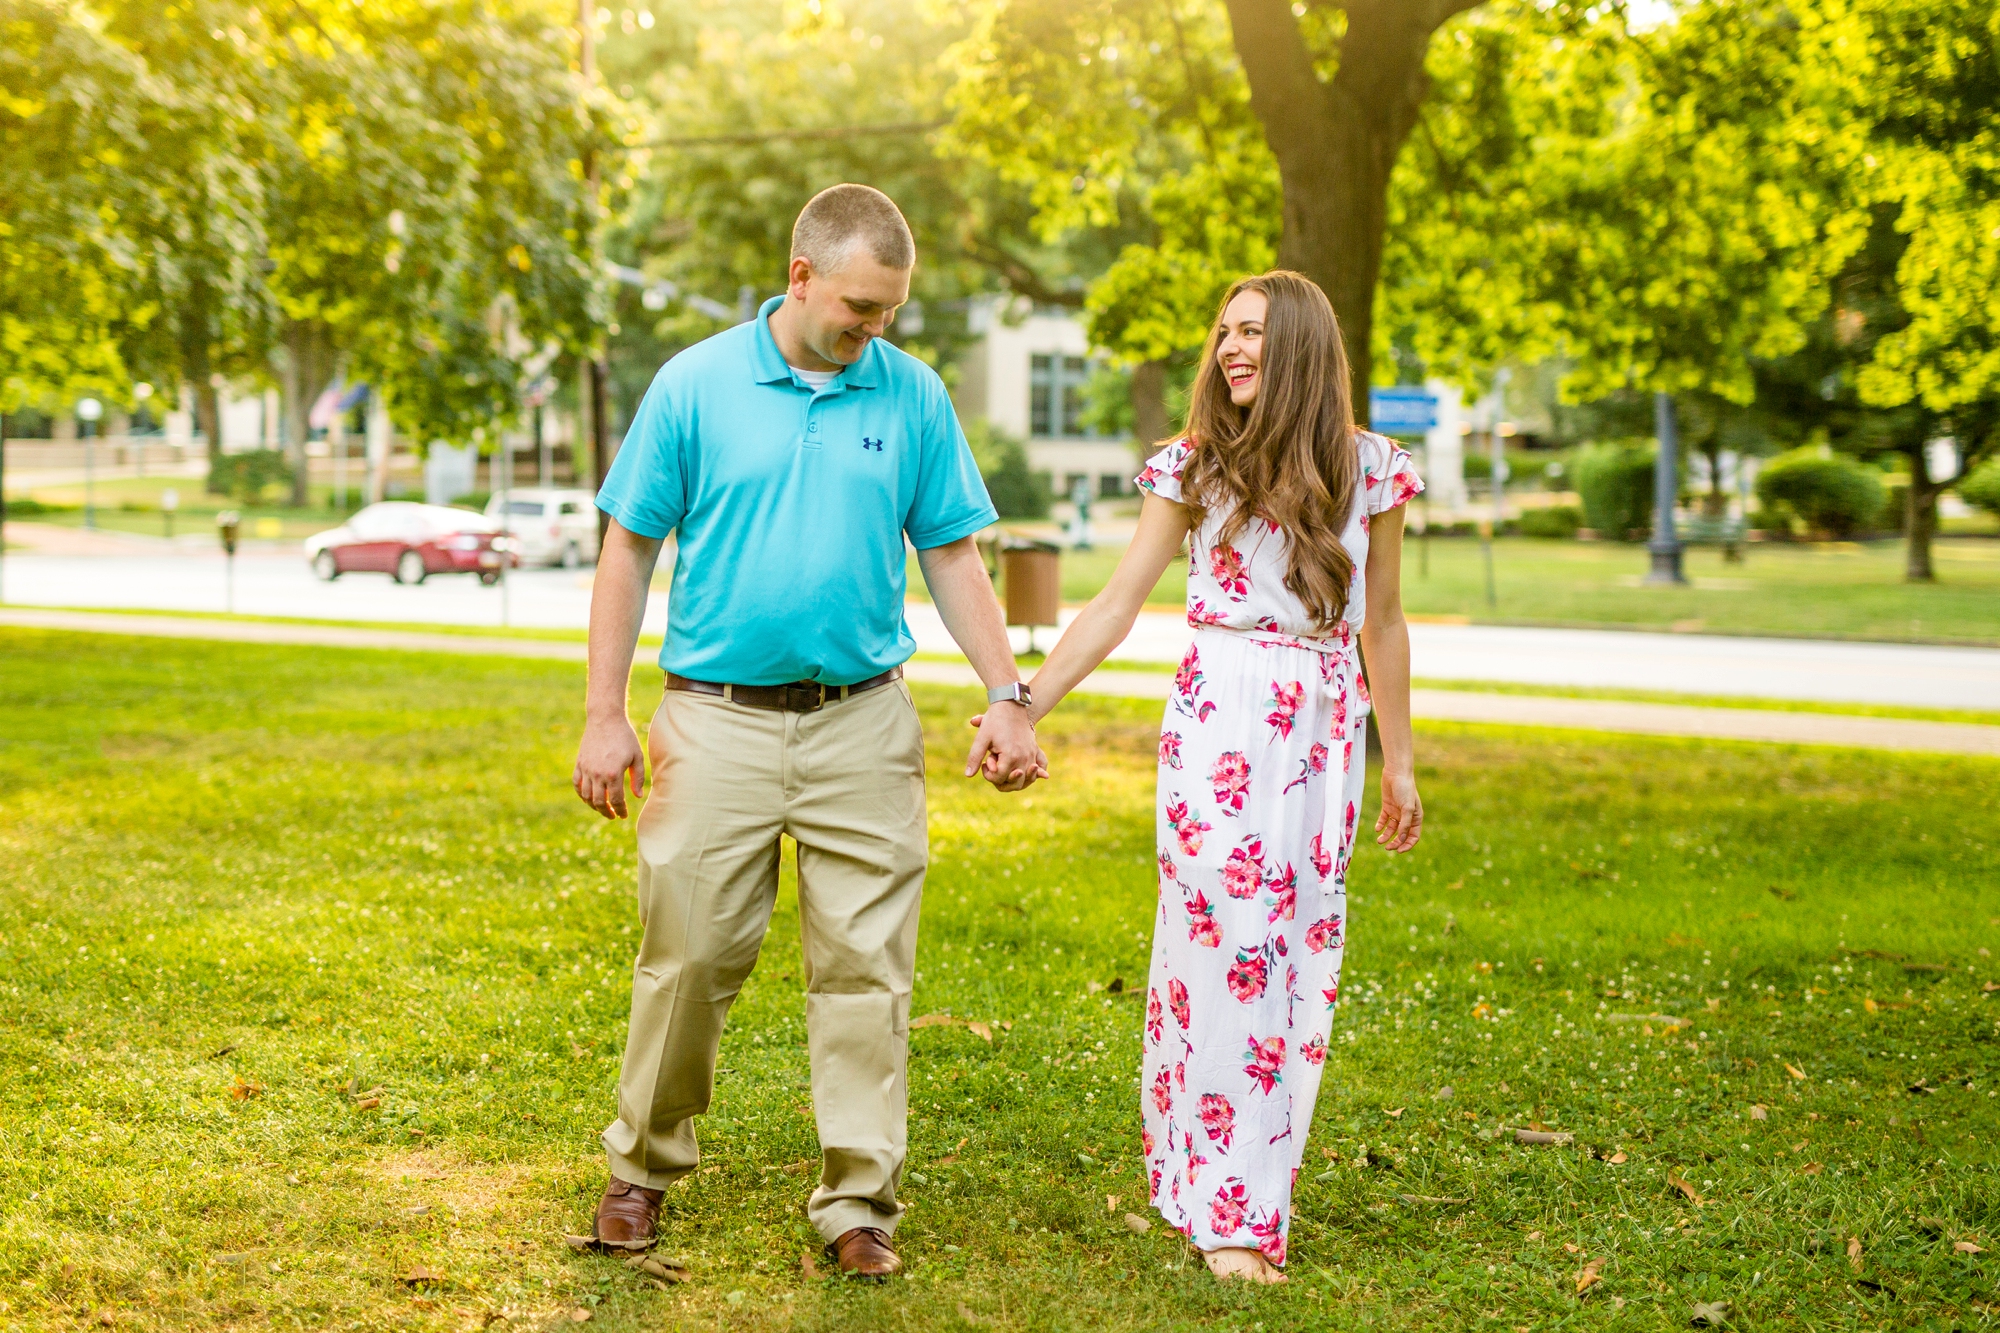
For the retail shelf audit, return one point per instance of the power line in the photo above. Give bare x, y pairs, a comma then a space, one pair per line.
769, 136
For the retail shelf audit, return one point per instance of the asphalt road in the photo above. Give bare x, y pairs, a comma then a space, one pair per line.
277, 583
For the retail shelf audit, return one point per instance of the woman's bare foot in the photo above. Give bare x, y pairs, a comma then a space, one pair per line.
1237, 1262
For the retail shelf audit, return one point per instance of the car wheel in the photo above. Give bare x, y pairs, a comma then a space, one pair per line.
326, 566
410, 567
572, 558
489, 577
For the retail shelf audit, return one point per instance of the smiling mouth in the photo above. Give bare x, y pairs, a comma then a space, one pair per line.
1241, 375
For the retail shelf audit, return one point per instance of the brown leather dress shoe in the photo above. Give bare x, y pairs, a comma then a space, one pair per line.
626, 1216
865, 1253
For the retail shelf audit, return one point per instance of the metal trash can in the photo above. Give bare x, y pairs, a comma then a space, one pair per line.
1032, 572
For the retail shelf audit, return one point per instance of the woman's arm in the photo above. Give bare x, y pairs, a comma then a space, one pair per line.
1103, 625
1385, 649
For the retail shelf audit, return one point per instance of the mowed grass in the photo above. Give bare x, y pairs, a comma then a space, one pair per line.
312, 988
1835, 589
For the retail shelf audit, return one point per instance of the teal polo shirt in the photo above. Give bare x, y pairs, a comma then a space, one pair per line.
792, 505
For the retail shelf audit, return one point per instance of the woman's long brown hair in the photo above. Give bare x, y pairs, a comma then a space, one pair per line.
1290, 458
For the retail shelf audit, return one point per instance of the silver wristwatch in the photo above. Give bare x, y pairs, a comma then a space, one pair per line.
1015, 693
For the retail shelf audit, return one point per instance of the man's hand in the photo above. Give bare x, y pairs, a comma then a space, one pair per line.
609, 759
1004, 751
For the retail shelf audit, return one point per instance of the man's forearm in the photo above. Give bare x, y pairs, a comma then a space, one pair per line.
963, 595
617, 610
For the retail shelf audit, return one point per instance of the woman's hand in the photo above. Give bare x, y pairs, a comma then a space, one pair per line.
1401, 822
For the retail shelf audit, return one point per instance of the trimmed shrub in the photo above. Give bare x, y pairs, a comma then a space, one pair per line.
1615, 483
1981, 487
1558, 521
23, 506
1016, 490
1829, 493
245, 477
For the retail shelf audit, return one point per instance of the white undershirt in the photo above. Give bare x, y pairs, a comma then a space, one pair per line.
815, 379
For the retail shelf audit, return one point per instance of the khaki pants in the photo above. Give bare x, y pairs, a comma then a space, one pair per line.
847, 782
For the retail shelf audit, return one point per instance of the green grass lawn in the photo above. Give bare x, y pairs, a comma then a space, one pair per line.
1837, 589
312, 986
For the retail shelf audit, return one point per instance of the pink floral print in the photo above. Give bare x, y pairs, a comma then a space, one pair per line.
1248, 974
1229, 571
1248, 951
1284, 705
1231, 778
1218, 1117
1243, 873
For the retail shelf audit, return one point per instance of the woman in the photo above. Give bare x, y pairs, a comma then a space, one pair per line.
1297, 540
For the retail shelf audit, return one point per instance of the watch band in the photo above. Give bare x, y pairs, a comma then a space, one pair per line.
1015, 693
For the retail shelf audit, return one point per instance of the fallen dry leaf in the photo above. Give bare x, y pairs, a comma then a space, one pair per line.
1795, 1071
1572, 1249
420, 1275
1759, 1113
1543, 1136
1616, 1159
1534, 1235
1854, 1253
579, 1315
579, 1242
1811, 1169
106, 1318
666, 1270
1710, 1314
1870, 1005
243, 1089
1111, 1203
1680, 1182
1136, 1224
1396, 1114
981, 1030
1967, 1247
1589, 1278
367, 1103
807, 1268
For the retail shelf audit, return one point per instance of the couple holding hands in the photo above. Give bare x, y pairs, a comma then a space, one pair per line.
793, 455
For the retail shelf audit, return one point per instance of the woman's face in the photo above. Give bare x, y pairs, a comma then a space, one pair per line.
1241, 347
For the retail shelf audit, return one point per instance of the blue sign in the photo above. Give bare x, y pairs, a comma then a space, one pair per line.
1402, 411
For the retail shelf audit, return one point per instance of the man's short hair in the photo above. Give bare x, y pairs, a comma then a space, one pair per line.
841, 218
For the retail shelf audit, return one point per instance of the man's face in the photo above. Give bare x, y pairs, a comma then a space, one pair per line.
842, 310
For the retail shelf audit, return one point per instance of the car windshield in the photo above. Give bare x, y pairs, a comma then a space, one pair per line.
525, 508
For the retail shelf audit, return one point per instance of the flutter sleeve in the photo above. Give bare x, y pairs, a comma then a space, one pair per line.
1391, 474
1162, 473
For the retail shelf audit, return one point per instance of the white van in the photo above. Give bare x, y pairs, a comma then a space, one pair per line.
552, 527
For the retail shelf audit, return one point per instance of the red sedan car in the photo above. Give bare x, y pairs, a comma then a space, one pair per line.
410, 542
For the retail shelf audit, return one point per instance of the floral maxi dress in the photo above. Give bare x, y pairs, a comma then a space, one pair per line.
1260, 786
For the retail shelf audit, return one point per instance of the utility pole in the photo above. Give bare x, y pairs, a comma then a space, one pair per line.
1666, 543
595, 371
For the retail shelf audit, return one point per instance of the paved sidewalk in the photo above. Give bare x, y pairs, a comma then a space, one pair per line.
1605, 715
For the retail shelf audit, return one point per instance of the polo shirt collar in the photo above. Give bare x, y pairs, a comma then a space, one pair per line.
770, 362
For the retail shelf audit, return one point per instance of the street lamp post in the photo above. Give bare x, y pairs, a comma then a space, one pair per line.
1666, 543
88, 411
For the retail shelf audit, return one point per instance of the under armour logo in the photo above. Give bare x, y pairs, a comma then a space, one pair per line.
867, 443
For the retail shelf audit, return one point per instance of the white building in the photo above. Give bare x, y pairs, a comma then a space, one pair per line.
1026, 375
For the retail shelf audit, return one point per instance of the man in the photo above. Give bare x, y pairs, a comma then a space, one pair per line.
792, 455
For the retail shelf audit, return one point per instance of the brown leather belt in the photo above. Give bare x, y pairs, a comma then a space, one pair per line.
800, 696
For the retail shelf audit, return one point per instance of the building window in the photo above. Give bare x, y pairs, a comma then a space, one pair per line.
1055, 395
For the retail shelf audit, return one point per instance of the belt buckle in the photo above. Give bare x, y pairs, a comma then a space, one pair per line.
805, 696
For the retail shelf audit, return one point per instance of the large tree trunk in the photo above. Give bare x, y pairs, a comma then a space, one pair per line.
1336, 142
1920, 518
1150, 422
308, 365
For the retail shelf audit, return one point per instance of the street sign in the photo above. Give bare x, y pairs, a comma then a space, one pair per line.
1402, 411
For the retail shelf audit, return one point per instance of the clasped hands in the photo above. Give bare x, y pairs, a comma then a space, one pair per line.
1004, 752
